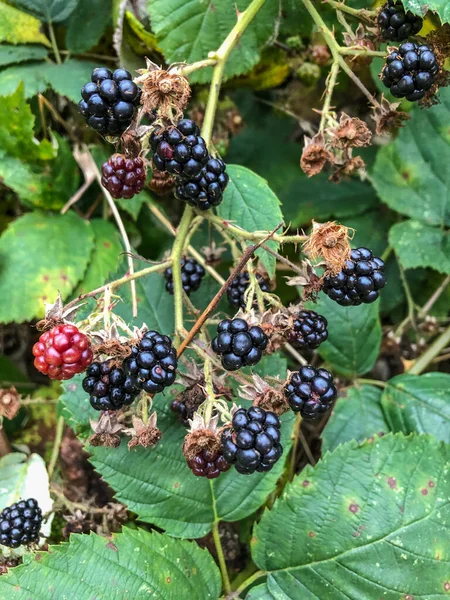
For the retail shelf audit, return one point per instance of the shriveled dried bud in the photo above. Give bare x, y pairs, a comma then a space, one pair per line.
349, 167
315, 155
9, 402
351, 133
201, 436
331, 242
212, 253
165, 91
106, 431
320, 55
266, 396
387, 118
143, 434
161, 183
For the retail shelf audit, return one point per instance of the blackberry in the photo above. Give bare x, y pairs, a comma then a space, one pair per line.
153, 362
395, 24
359, 281
238, 344
309, 330
252, 442
208, 464
109, 101
310, 391
236, 291
192, 274
206, 189
179, 150
62, 352
179, 407
123, 177
410, 71
20, 523
108, 386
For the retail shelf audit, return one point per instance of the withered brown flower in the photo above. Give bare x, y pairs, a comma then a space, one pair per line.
106, 431
331, 242
349, 167
9, 402
315, 155
387, 118
143, 434
161, 183
350, 133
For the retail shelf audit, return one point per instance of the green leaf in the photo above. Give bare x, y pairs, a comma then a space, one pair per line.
16, 54
420, 245
375, 238
188, 31
419, 404
31, 75
48, 10
421, 7
250, 203
366, 522
356, 416
87, 24
134, 564
50, 252
17, 27
354, 335
411, 174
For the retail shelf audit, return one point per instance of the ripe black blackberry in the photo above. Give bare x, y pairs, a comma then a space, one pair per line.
252, 442
410, 71
236, 291
153, 362
239, 345
179, 150
208, 464
192, 274
310, 391
123, 177
109, 101
309, 330
206, 189
108, 386
395, 24
20, 523
359, 281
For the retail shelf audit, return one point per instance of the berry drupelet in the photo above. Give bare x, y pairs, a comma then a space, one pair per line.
252, 442
359, 281
109, 101
410, 71
208, 464
236, 291
62, 352
123, 177
310, 391
20, 523
309, 330
395, 24
238, 344
153, 363
206, 189
109, 387
192, 274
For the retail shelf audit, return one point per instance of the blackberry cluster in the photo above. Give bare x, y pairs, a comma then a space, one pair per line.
309, 330
208, 464
153, 363
310, 391
359, 281
192, 274
239, 345
206, 189
20, 523
237, 289
109, 101
123, 177
410, 71
395, 24
62, 352
252, 443
108, 386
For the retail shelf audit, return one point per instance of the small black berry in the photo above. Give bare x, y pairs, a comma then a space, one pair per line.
238, 344
240, 284
123, 177
20, 523
206, 189
395, 24
309, 330
310, 391
192, 274
109, 387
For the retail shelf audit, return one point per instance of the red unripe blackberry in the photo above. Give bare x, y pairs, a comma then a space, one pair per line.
20, 523
62, 352
208, 464
123, 177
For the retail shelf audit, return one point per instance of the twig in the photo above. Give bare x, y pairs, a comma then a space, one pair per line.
293, 352
73, 506
330, 85
427, 357
306, 447
77, 196
54, 44
433, 298
56, 447
376, 382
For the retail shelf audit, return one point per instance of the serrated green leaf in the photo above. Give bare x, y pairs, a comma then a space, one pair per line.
354, 335
50, 252
189, 30
421, 7
134, 564
375, 238
47, 10
17, 27
250, 203
31, 75
16, 54
87, 24
366, 522
419, 404
356, 416
420, 245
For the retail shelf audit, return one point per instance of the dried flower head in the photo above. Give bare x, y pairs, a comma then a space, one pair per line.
143, 434
201, 436
106, 431
161, 183
350, 133
350, 166
387, 118
315, 155
320, 54
9, 402
266, 396
331, 242
212, 253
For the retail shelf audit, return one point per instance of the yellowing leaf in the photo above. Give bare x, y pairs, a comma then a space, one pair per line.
16, 27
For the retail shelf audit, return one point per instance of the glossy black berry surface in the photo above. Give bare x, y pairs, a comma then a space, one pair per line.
208, 464
153, 363
359, 281
109, 101
252, 442
206, 189
108, 386
310, 391
410, 71
238, 344
395, 24
20, 523
192, 274
309, 330
236, 292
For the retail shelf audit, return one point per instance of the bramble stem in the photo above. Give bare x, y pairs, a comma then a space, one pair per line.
330, 85
200, 64
221, 557
247, 583
361, 13
427, 357
177, 251
51, 32
56, 447
376, 382
253, 236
